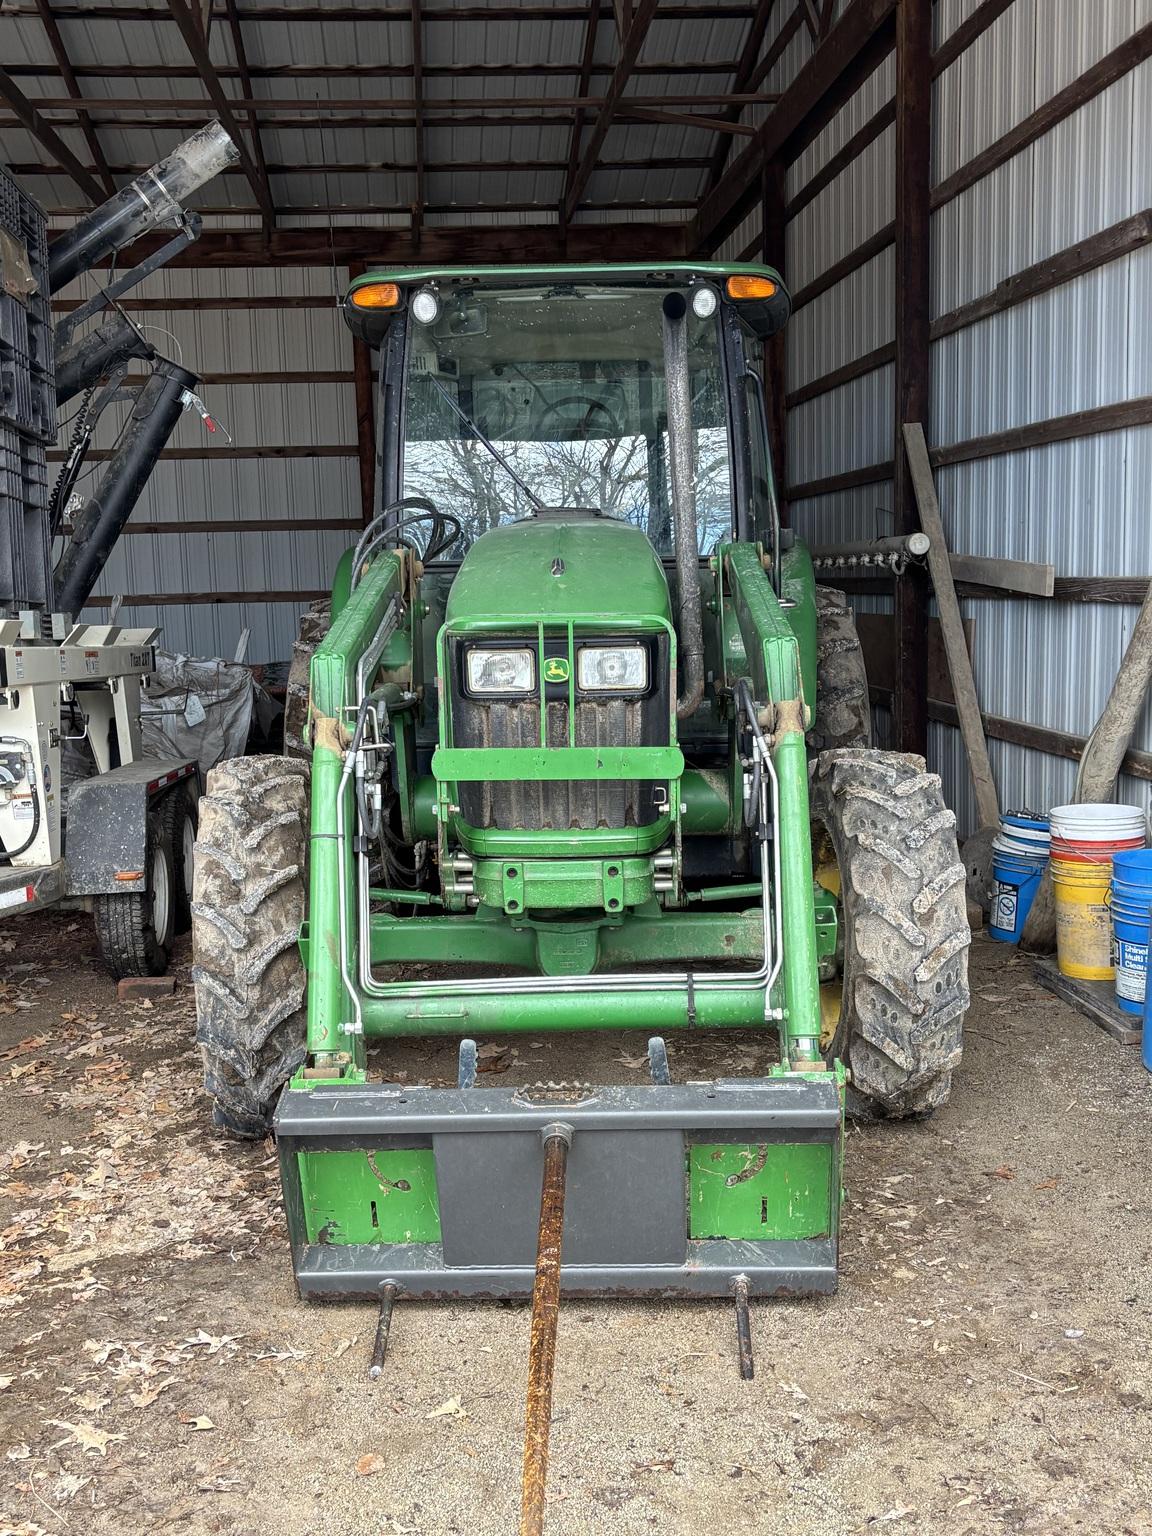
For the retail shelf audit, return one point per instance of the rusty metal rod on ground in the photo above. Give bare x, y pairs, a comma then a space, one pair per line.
380, 1347
743, 1328
545, 1316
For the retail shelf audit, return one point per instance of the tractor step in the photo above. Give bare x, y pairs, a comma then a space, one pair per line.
672, 1189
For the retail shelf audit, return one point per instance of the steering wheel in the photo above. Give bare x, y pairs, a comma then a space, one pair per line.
581, 428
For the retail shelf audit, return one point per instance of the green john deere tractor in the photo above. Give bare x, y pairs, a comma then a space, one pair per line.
584, 747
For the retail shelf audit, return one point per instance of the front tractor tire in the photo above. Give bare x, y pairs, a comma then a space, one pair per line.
843, 710
905, 929
247, 908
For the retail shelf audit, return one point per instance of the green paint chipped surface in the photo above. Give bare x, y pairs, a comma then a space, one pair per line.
370, 1196
761, 1190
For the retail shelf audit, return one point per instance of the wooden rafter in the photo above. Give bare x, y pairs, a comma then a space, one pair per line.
827, 12
745, 67
591, 28
68, 74
629, 52
622, 10
811, 17
418, 123
29, 118
246, 82
184, 17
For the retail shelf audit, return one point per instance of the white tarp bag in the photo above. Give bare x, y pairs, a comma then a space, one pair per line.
196, 708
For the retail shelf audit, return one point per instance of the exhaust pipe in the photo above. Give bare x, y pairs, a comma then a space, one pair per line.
691, 625
152, 199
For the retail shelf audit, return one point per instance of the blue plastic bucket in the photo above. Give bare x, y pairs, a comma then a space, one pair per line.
1015, 881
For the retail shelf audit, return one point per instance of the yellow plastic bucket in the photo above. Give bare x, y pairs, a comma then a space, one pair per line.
1083, 923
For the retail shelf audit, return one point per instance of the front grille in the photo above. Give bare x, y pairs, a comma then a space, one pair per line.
566, 805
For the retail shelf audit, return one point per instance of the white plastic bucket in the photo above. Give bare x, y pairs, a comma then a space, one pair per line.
1098, 823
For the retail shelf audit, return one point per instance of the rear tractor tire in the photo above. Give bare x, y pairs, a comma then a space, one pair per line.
843, 711
314, 626
248, 905
905, 929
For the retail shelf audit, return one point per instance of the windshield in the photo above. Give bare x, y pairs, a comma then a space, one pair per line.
566, 383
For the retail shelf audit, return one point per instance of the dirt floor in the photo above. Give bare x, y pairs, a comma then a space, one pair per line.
984, 1368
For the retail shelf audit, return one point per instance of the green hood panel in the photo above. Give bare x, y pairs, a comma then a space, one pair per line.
550, 569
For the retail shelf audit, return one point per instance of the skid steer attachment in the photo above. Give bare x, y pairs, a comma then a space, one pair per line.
672, 1189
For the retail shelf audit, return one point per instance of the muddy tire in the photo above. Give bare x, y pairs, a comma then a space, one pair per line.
906, 934
177, 810
314, 625
843, 711
247, 907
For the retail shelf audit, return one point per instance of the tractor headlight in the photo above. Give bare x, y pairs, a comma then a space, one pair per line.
612, 668
500, 671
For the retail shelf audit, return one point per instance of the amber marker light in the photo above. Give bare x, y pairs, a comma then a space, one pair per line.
376, 296
746, 286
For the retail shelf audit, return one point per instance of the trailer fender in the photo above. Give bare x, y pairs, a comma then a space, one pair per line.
105, 830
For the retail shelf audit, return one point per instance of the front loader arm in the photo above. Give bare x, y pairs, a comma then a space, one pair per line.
771, 662
363, 626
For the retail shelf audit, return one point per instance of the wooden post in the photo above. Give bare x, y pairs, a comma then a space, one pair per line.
775, 225
913, 192
365, 416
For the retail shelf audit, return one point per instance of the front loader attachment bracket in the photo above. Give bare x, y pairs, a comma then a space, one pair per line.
673, 1189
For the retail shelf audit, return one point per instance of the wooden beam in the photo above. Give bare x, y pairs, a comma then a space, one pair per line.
1072, 262
847, 480
913, 373
68, 75
810, 17
365, 412
827, 11
867, 251
844, 157
1112, 67
418, 125
245, 525
195, 43
29, 118
1028, 577
234, 451
845, 374
966, 34
399, 109
775, 51
745, 67
369, 167
854, 48
622, 12
324, 15
449, 245
590, 33
1057, 429
210, 599
686, 120
241, 56
1019, 733
543, 69
629, 52
959, 661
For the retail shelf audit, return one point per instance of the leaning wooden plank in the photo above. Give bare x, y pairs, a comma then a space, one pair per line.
959, 662
1095, 999
1009, 575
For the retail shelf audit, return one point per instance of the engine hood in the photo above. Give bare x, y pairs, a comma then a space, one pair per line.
551, 567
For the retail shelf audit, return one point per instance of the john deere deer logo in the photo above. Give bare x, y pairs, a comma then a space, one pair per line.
556, 669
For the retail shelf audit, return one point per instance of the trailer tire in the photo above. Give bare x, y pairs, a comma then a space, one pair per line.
247, 908
905, 929
843, 711
134, 929
178, 811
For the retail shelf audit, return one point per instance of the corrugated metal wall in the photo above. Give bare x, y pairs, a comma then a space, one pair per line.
227, 485
1082, 505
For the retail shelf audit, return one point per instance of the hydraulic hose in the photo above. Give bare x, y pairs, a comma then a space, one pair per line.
26, 752
691, 626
